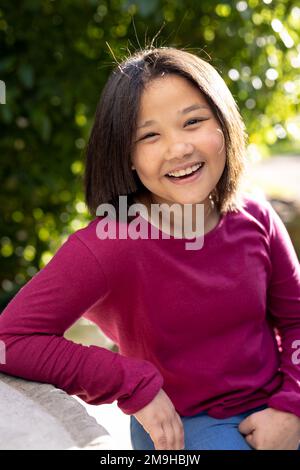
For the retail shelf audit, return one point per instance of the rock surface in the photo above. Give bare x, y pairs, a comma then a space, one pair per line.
35, 415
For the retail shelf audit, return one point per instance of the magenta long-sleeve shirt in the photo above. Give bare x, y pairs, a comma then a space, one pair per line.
199, 323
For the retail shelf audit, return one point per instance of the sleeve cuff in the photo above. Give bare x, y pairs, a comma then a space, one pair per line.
286, 401
140, 399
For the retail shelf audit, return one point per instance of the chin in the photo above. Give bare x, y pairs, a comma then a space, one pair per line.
191, 200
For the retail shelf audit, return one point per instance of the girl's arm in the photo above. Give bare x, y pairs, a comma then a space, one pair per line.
33, 324
278, 426
283, 301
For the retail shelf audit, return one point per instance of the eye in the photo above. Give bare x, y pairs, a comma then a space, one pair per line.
191, 120
197, 120
148, 135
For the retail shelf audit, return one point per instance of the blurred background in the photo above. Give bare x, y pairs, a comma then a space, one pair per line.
55, 57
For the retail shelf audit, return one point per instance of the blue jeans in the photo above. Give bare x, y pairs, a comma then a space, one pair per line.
202, 432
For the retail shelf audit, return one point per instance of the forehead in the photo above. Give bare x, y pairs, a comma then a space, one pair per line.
172, 91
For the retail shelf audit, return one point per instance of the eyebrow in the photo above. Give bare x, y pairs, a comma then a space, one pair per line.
183, 111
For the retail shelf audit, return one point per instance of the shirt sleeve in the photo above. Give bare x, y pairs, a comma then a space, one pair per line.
33, 324
283, 302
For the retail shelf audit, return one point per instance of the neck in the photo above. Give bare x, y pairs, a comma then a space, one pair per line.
211, 217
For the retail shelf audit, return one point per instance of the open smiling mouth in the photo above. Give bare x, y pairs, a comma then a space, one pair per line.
186, 178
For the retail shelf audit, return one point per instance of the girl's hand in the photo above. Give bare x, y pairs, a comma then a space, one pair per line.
161, 421
271, 429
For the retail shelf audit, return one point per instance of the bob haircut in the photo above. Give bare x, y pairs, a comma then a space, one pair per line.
108, 172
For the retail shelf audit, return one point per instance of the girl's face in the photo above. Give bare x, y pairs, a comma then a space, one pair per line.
177, 139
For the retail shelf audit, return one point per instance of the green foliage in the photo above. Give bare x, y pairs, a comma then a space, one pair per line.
55, 59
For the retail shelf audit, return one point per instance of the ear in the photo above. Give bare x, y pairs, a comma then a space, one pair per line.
132, 167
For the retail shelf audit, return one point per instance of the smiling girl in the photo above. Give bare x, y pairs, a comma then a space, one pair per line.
185, 160
199, 364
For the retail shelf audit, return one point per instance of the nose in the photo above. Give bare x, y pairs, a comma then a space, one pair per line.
179, 150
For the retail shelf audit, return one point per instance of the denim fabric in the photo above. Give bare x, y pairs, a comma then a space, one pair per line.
202, 432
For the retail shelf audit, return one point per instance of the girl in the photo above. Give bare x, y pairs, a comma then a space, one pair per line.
199, 365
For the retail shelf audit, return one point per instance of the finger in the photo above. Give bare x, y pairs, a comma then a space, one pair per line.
250, 440
170, 434
179, 432
245, 426
159, 438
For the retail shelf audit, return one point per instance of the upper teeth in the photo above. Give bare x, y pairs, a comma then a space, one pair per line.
187, 171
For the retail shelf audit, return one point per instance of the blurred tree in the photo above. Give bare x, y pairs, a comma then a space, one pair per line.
55, 59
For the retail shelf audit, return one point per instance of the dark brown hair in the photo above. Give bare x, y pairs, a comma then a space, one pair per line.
108, 172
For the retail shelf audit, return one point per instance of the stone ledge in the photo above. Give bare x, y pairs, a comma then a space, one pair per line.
36, 415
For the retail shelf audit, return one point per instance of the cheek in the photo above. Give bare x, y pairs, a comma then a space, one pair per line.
216, 141
148, 162
146, 168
